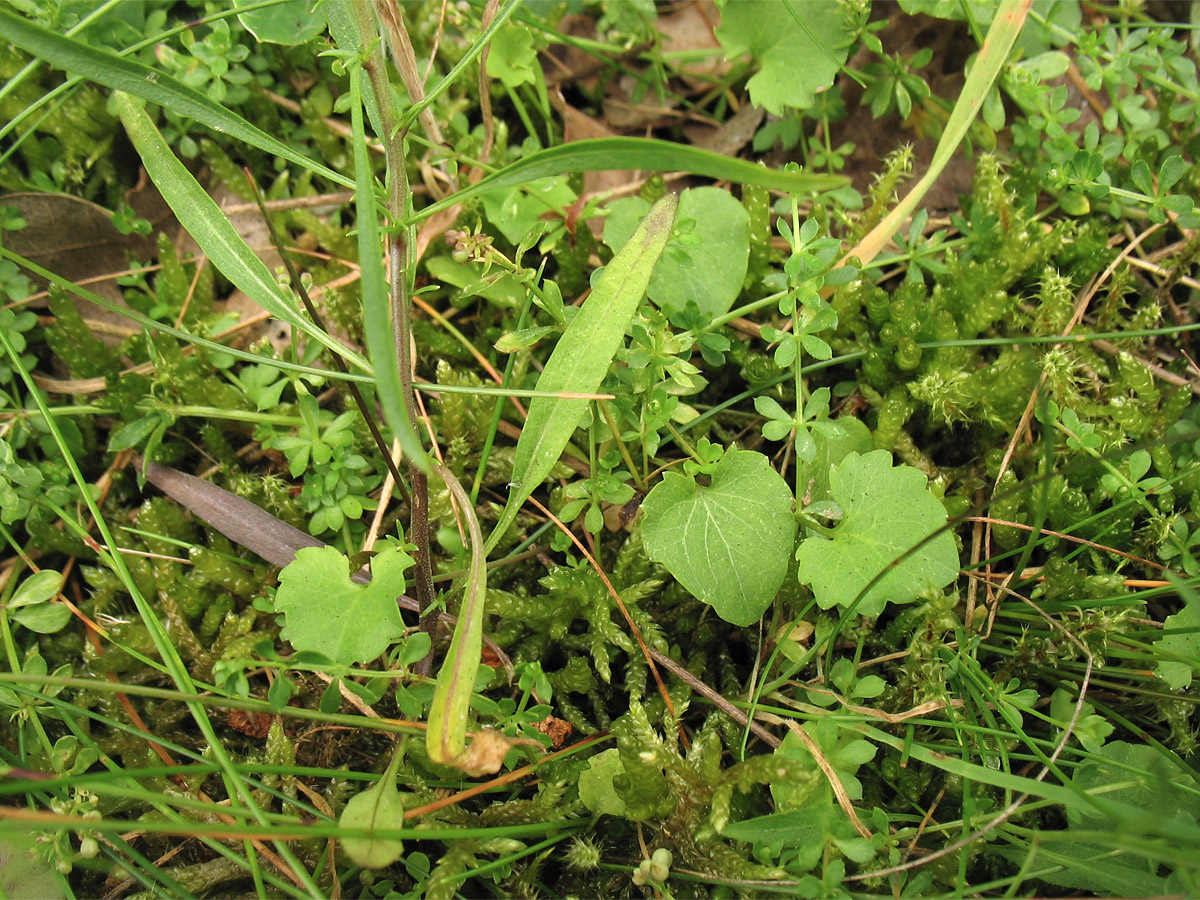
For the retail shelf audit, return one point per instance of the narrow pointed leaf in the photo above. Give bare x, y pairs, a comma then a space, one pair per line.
582, 356
620, 153
199, 214
104, 67
1002, 34
376, 320
446, 736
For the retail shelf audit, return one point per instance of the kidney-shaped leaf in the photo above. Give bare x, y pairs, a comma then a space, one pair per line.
328, 613
727, 542
887, 512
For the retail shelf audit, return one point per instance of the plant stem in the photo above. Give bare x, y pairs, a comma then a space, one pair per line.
399, 255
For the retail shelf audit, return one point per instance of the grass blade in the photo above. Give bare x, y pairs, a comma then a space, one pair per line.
133, 77
377, 323
600, 154
1002, 34
583, 355
199, 214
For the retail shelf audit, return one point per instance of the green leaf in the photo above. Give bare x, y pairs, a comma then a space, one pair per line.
24, 871
713, 274
727, 543
515, 211
44, 618
621, 153
582, 356
789, 829
376, 808
888, 512
199, 214
133, 433
290, 22
852, 436
1181, 639
596, 790
1134, 777
40, 587
511, 56
799, 47
327, 612
377, 318
120, 74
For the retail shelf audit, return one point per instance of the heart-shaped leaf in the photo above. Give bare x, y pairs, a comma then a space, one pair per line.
727, 542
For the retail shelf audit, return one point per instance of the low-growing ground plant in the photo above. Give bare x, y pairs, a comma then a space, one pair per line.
555, 449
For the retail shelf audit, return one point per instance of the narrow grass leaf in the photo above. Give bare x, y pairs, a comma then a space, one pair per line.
582, 356
120, 74
199, 214
1002, 34
621, 153
377, 323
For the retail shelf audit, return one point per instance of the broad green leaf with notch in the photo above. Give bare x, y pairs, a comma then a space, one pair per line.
799, 47
1180, 639
199, 214
582, 357
289, 23
378, 807
727, 542
714, 272
888, 511
328, 613
512, 56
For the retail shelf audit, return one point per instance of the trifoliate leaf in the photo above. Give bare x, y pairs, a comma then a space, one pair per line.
328, 613
378, 807
888, 512
726, 542
799, 47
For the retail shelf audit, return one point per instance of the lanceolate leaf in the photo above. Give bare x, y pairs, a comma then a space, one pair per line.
727, 542
377, 323
445, 739
600, 154
208, 225
583, 355
121, 74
